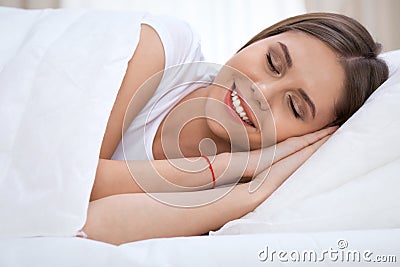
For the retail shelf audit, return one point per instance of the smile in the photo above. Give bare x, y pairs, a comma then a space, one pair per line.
237, 106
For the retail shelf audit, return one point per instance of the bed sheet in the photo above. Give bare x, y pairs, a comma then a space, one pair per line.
229, 250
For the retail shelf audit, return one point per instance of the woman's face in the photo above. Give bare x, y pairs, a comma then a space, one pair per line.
288, 85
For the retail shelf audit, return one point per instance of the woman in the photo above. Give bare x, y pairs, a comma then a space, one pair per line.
287, 85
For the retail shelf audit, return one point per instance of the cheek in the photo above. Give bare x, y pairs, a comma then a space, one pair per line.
247, 65
285, 130
287, 127
217, 128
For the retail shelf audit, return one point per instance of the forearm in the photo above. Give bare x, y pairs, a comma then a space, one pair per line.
177, 175
130, 217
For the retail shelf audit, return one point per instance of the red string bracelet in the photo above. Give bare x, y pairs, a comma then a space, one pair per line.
211, 169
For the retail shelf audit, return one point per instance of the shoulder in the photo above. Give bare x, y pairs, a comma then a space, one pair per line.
180, 42
147, 61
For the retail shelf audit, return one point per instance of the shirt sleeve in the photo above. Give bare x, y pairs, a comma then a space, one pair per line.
181, 44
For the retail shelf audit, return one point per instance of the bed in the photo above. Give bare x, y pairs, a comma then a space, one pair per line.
49, 150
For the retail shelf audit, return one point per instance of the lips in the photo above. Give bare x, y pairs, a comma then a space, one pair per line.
238, 106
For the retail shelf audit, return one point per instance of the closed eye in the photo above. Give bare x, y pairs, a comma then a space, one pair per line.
295, 112
271, 64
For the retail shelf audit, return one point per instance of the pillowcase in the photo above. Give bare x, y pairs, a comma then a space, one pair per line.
351, 182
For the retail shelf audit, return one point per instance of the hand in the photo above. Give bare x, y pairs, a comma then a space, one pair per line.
262, 159
266, 182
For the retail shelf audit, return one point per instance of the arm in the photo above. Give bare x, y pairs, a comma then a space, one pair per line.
148, 60
186, 174
130, 217
179, 175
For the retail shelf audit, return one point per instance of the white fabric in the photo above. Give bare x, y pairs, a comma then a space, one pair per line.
200, 251
352, 182
60, 71
181, 45
54, 62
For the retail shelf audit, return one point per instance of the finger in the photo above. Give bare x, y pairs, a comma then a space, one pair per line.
311, 138
294, 161
284, 168
295, 144
262, 159
308, 151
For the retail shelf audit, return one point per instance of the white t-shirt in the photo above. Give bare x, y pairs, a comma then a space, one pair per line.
185, 71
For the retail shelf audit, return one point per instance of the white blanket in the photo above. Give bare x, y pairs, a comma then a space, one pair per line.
60, 71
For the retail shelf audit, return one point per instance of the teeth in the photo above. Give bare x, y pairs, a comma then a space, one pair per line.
236, 103
239, 109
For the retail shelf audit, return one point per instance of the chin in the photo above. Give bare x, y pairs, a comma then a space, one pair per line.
237, 140
218, 130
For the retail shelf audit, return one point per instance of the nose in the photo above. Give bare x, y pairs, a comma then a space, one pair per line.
263, 94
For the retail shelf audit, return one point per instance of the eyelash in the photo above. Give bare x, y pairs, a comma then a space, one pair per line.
271, 64
296, 114
275, 70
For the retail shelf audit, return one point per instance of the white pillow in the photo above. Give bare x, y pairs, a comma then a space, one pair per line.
351, 182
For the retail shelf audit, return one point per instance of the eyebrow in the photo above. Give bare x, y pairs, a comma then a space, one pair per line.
287, 54
308, 101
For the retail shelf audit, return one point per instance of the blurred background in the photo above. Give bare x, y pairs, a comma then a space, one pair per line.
225, 25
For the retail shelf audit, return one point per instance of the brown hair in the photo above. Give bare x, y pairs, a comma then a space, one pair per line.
356, 49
